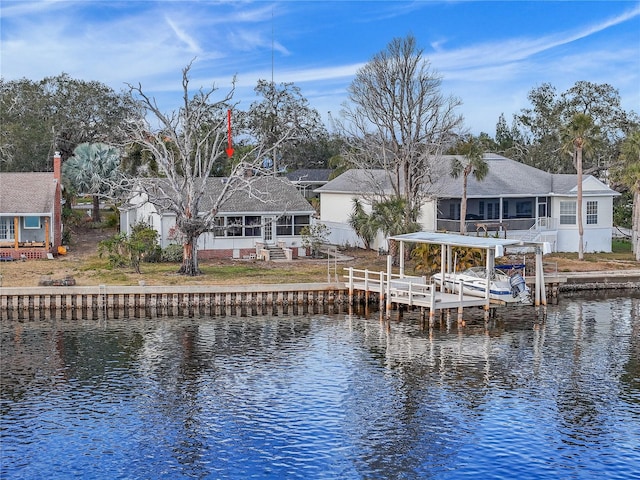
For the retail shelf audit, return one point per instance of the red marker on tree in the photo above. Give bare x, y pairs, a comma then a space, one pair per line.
229, 145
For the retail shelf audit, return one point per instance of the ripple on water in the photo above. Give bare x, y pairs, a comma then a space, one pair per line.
324, 397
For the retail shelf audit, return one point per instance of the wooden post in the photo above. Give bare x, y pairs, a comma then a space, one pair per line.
432, 304
388, 285
46, 233
537, 284
16, 232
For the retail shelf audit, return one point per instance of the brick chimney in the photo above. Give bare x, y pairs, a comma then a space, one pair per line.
57, 166
57, 205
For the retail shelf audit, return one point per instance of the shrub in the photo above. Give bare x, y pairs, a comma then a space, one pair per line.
123, 249
314, 236
172, 253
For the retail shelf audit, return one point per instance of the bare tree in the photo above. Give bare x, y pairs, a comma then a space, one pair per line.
398, 120
187, 145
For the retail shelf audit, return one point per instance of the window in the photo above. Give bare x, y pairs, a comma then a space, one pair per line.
31, 222
300, 221
568, 213
592, 212
524, 209
234, 226
505, 209
285, 225
7, 231
493, 209
252, 226
452, 211
218, 227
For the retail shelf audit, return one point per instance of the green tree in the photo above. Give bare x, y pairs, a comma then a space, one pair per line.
427, 257
579, 135
471, 162
57, 114
284, 111
389, 217
539, 138
362, 223
628, 173
93, 170
123, 249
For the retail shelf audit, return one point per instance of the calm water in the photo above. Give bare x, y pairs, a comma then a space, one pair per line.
326, 396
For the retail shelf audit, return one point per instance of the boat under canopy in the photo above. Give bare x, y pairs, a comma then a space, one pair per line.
494, 247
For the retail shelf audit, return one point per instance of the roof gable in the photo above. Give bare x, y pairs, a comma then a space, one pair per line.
27, 192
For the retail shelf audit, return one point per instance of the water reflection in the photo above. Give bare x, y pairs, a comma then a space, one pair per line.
325, 395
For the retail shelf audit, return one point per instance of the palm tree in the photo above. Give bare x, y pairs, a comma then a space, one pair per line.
629, 174
578, 135
389, 216
362, 223
89, 171
472, 162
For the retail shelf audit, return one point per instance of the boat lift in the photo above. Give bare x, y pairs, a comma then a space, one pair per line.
494, 247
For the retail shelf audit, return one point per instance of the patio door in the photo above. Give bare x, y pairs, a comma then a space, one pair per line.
268, 232
542, 220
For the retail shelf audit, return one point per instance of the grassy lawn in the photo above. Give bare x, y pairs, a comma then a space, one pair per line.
87, 268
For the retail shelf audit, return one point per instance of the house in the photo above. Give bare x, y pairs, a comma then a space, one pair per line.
267, 218
309, 179
513, 201
31, 213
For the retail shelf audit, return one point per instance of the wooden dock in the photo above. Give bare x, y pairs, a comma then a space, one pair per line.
412, 291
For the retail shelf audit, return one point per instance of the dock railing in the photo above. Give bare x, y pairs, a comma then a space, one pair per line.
408, 287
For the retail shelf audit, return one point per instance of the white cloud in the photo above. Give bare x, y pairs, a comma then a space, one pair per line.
183, 36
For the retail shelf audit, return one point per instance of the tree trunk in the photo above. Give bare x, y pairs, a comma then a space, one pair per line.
635, 226
579, 205
95, 212
463, 207
190, 258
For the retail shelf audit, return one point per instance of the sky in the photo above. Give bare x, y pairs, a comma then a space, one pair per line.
489, 54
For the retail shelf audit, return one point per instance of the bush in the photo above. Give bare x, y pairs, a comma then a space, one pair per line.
131, 249
314, 236
172, 253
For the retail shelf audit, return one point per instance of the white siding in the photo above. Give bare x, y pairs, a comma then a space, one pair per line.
336, 207
597, 237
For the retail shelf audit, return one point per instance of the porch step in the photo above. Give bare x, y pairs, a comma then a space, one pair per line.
275, 253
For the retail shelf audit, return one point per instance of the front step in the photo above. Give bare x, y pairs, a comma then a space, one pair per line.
275, 253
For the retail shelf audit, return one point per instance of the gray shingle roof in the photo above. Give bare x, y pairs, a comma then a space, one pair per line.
26, 193
506, 177
310, 175
253, 195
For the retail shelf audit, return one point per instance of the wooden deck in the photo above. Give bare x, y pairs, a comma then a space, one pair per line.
412, 291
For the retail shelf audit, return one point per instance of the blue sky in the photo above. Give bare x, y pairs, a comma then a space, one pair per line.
489, 54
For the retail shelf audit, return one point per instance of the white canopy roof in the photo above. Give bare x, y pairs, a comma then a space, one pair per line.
455, 240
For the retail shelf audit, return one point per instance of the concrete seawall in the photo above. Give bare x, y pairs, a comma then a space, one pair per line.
604, 280
98, 301
113, 301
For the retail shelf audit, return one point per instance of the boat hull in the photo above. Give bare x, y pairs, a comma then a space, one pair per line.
498, 290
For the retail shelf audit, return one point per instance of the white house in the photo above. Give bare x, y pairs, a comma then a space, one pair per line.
514, 199
270, 215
